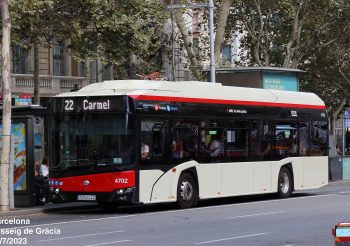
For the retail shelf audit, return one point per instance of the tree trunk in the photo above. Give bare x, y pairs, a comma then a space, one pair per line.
220, 27
188, 45
36, 74
6, 113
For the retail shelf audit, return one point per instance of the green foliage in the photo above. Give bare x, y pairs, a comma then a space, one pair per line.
111, 31
115, 32
287, 32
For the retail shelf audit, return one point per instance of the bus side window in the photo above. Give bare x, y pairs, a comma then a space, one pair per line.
153, 137
212, 145
236, 144
286, 140
158, 142
318, 143
184, 143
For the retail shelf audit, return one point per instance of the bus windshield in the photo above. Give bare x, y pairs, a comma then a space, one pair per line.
92, 141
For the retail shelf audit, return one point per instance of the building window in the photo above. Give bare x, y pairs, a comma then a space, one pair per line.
58, 58
82, 69
196, 46
19, 56
93, 72
106, 73
226, 53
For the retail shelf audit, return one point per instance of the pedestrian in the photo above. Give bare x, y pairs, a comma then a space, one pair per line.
338, 152
41, 173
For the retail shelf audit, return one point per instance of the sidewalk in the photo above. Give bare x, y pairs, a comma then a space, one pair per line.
49, 207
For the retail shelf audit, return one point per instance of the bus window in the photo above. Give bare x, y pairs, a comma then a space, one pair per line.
184, 144
260, 140
304, 129
286, 140
211, 145
153, 137
318, 141
236, 145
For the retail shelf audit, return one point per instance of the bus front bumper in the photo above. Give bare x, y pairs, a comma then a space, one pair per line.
119, 196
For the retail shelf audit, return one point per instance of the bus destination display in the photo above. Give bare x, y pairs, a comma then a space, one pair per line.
92, 104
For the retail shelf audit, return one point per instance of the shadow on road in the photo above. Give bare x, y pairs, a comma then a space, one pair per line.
142, 209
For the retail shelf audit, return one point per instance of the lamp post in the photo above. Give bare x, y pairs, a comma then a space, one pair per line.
210, 7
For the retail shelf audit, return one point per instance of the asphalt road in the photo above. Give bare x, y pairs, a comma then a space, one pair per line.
306, 218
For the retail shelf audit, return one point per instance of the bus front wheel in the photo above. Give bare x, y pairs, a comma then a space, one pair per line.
187, 192
285, 184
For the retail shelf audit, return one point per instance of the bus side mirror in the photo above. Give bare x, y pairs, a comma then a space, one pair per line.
333, 231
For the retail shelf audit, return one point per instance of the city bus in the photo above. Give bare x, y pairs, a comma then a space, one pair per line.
203, 140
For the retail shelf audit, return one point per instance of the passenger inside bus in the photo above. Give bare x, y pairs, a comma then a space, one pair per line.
144, 151
216, 147
282, 144
177, 148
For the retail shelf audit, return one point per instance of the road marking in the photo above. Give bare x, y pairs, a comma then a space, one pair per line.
232, 238
251, 215
86, 235
121, 241
171, 211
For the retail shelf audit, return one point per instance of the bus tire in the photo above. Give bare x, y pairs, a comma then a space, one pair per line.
187, 192
285, 183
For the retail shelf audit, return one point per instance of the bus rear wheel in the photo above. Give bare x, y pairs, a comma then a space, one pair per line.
187, 192
285, 184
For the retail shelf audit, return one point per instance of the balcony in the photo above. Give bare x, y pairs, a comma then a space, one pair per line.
49, 85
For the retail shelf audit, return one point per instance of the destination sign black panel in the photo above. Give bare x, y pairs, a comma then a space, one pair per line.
90, 104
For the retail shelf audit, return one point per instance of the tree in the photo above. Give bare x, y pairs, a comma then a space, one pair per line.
328, 75
38, 22
224, 11
188, 44
6, 113
287, 33
114, 33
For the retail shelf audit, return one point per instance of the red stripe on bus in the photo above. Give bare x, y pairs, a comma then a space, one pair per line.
224, 101
102, 182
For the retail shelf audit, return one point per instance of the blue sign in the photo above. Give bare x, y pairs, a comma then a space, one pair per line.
280, 81
347, 123
347, 113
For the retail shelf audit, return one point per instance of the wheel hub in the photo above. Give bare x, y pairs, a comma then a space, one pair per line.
284, 183
186, 190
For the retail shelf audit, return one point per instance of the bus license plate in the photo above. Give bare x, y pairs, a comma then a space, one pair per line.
86, 197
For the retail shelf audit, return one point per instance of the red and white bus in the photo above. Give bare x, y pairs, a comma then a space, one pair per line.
205, 141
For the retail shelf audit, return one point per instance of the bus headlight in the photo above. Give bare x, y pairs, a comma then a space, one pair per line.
125, 191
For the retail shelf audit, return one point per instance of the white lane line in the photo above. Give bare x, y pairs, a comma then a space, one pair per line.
232, 238
121, 241
252, 215
86, 235
171, 211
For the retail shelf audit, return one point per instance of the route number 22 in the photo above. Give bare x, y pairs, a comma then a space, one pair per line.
68, 105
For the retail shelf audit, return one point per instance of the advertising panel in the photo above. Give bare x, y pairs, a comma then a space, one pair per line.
280, 81
18, 134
